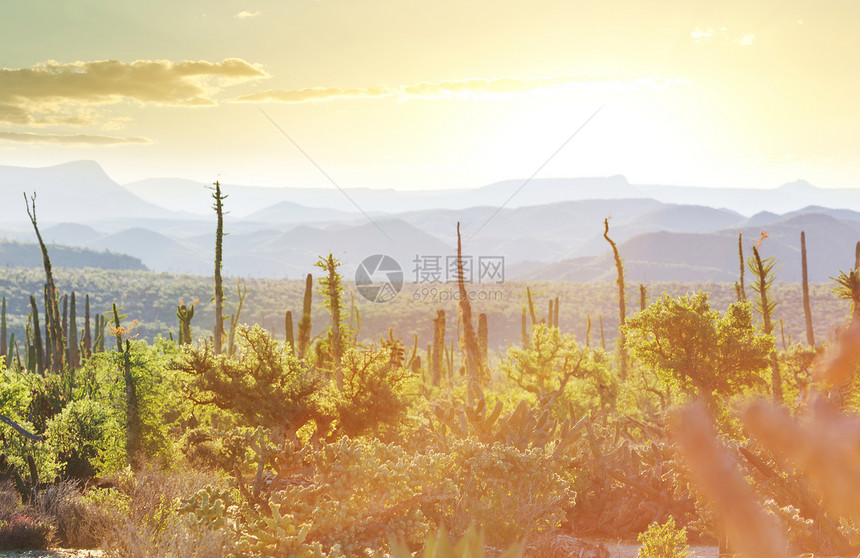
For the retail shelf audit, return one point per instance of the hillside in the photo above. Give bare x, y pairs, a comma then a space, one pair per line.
29, 255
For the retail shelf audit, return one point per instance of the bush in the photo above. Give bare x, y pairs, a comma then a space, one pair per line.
87, 436
80, 521
663, 541
23, 531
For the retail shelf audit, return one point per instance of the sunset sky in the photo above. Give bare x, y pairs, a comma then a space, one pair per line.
416, 94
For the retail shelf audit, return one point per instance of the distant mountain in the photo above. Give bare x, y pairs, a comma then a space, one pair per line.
155, 250
671, 256
73, 192
288, 212
21, 254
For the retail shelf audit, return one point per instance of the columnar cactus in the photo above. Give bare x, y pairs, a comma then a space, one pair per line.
38, 359
304, 332
288, 327
438, 347
807, 308
74, 347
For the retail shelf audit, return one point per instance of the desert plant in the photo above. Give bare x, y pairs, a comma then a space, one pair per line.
765, 274
807, 308
218, 206
663, 541
622, 313
304, 329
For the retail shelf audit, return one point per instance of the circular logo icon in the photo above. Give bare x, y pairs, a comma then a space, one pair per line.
379, 278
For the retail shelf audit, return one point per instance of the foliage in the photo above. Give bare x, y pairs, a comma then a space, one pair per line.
554, 363
265, 385
375, 391
88, 437
470, 545
663, 541
698, 350
21, 531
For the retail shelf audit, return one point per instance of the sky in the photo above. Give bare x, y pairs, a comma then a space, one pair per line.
415, 94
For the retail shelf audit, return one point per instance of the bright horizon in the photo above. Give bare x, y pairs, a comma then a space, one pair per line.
400, 94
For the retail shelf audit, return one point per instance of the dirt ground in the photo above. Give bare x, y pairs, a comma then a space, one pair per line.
54, 553
628, 550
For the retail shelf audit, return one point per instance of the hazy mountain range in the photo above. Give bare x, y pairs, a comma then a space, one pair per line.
552, 229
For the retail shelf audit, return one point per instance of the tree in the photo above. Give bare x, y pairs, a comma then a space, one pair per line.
695, 348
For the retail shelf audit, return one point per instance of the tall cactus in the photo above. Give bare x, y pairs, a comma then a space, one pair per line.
555, 313
184, 314
602, 336
3, 349
483, 342
739, 285
219, 285
88, 336
524, 331
38, 351
65, 322
643, 297
588, 329
241, 293
288, 327
52, 308
99, 339
133, 434
74, 347
468, 341
12, 352
764, 270
438, 347
304, 331
807, 308
622, 314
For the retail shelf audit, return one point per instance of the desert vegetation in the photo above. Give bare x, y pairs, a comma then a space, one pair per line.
150, 415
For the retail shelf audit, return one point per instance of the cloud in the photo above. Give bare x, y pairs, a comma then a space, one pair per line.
77, 139
708, 34
448, 89
51, 92
245, 14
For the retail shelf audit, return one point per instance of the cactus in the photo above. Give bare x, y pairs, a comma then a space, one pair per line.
51, 307
219, 287
438, 347
3, 349
468, 340
622, 314
74, 347
531, 306
241, 293
483, 345
88, 338
132, 414
549, 314
7, 358
38, 354
807, 308
99, 340
555, 313
602, 336
643, 297
288, 327
65, 323
588, 329
185, 315
739, 286
765, 273
304, 331
49, 343
524, 331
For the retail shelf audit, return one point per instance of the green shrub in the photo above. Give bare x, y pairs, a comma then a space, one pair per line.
88, 437
663, 541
